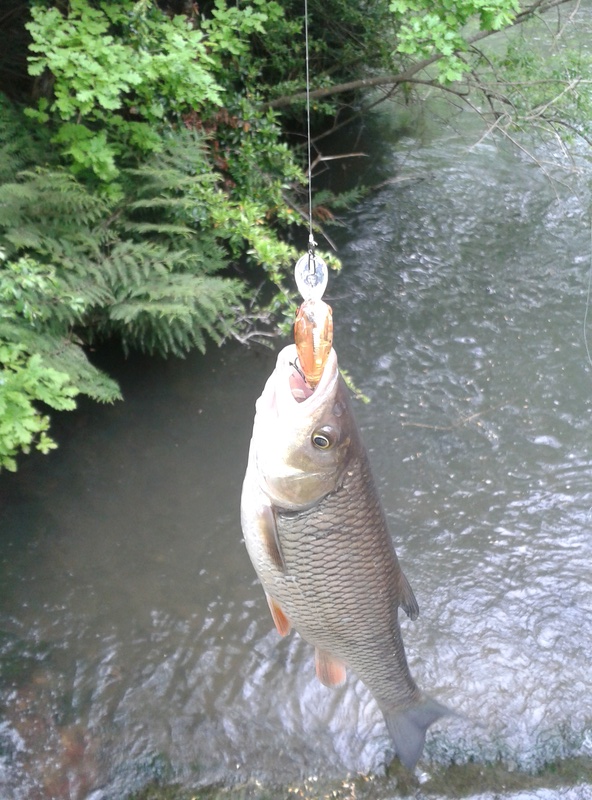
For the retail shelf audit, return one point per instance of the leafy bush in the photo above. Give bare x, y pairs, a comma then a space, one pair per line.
122, 69
79, 265
141, 181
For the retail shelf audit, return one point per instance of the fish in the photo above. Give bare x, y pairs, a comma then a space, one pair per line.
316, 533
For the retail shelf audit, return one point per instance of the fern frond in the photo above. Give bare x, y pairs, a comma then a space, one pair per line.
59, 193
160, 203
65, 356
21, 143
171, 317
141, 269
160, 228
132, 263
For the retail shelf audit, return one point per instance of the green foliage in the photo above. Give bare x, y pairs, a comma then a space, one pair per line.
24, 376
161, 273
429, 28
346, 38
350, 40
80, 265
246, 18
544, 88
154, 173
152, 67
24, 381
136, 268
39, 362
122, 71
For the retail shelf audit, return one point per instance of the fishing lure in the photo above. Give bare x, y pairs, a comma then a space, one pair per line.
313, 327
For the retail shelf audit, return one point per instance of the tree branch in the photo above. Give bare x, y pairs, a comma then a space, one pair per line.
538, 7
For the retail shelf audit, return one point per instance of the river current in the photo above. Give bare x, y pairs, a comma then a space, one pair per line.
135, 641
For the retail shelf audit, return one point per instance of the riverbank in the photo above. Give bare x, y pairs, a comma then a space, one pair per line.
569, 779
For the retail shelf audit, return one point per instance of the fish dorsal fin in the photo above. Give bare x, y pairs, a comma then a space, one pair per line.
270, 538
407, 599
282, 623
330, 671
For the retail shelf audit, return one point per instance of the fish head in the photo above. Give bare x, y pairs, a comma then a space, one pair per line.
302, 439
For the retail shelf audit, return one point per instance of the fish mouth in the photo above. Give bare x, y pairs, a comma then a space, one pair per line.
291, 389
287, 413
298, 386
286, 393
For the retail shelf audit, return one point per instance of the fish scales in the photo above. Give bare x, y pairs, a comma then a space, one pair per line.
346, 599
318, 538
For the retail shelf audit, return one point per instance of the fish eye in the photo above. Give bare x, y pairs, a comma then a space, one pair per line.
323, 439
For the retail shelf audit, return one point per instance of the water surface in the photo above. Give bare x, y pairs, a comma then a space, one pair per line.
134, 639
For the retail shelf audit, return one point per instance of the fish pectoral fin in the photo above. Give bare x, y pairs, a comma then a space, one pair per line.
270, 538
282, 623
330, 671
408, 602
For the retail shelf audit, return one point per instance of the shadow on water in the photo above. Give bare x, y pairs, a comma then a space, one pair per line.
135, 643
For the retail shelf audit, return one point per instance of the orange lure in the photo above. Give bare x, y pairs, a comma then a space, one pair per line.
313, 336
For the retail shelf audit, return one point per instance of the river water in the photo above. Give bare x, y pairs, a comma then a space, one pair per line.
135, 641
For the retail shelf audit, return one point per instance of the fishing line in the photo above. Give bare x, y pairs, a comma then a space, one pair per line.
311, 241
310, 271
313, 326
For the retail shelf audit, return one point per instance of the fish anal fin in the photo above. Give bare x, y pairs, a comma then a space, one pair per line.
407, 599
330, 671
269, 537
282, 623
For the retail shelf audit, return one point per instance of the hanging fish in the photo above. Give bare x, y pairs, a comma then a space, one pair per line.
317, 535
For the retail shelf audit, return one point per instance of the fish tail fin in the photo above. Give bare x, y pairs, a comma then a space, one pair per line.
408, 728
